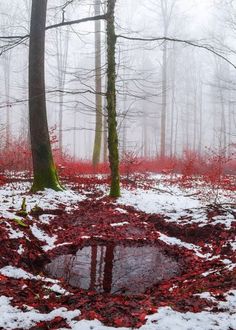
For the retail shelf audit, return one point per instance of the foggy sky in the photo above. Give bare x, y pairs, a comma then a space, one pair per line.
139, 79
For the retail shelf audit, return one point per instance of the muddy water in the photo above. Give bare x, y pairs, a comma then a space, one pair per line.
115, 268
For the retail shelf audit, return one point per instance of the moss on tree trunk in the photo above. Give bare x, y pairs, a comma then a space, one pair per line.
44, 170
98, 83
111, 101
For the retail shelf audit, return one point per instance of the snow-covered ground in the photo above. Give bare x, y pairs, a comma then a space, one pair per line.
178, 203
13, 194
175, 203
164, 319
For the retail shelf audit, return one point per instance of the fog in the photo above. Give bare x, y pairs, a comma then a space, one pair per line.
198, 83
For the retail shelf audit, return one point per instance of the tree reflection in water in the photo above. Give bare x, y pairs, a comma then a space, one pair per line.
115, 268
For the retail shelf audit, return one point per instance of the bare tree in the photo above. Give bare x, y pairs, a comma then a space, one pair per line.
111, 101
62, 59
167, 8
98, 87
45, 173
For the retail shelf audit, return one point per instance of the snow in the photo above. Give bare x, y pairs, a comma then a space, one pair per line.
19, 273
233, 244
12, 317
180, 205
57, 289
222, 219
12, 233
175, 241
42, 236
168, 319
147, 201
164, 319
12, 195
177, 204
229, 303
20, 249
121, 210
46, 218
118, 224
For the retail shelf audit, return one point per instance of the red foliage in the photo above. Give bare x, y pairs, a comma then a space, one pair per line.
93, 219
214, 168
17, 157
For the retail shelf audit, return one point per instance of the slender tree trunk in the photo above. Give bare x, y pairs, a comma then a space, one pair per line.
108, 267
105, 146
230, 105
200, 120
111, 101
45, 174
176, 132
98, 88
173, 71
74, 135
7, 93
167, 8
145, 135
105, 126
222, 142
195, 118
93, 269
62, 58
164, 101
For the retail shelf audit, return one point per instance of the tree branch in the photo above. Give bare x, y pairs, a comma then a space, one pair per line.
187, 42
78, 21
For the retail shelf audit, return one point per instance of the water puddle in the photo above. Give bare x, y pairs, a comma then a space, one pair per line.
117, 269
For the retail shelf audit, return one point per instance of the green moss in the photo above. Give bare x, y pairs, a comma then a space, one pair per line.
20, 222
47, 178
111, 102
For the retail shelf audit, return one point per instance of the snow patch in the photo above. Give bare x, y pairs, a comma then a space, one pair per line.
14, 318
42, 236
19, 273
118, 224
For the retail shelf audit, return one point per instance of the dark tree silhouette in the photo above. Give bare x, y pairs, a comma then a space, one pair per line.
44, 170
111, 101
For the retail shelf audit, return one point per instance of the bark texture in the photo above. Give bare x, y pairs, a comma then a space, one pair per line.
98, 87
44, 170
111, 102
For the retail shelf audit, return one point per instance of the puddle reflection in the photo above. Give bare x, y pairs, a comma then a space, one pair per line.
115, 268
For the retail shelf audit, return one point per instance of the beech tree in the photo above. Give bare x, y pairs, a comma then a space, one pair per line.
111, 101
98, 88
62, 42
167, 15
44, 170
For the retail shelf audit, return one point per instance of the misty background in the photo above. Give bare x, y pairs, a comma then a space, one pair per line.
199, 87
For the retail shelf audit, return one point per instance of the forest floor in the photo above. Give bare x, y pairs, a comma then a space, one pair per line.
189, 226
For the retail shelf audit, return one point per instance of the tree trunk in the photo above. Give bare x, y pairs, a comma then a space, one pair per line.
7, 73
164, 101
62, 59
173, 92
111, 102
105, 126
200, 121
105, 147
93, 267
44, 170
108, 267
98, 87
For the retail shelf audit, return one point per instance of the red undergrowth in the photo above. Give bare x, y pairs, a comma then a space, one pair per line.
91, 223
